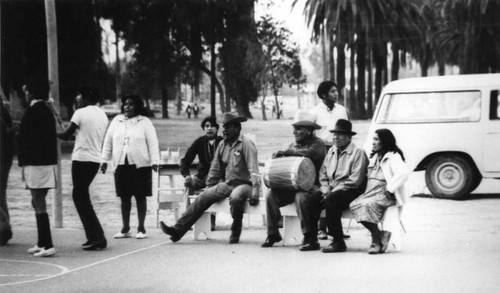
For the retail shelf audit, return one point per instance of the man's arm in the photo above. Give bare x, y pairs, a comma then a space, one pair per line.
68, 132
314, 152
188, 158
251, 158
214, 172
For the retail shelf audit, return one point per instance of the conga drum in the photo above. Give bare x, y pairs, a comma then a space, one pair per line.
289, 173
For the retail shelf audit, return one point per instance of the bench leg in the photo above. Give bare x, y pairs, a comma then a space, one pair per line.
292, 234
203, 225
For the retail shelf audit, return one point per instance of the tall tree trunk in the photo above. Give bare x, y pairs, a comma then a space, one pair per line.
341, 66
369, 97
118, 87
395, 62
164, 102
352, 83
331, 49
324, 36
379, 69
361, 64
212, 78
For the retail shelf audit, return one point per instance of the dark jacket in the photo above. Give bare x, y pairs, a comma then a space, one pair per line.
200, 148
37, 137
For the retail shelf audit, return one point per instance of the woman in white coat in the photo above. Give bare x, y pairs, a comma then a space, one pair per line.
387, 175
132, 146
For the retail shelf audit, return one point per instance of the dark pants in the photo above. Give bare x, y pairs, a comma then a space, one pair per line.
83, 173
334, 203
237, 197
307, 210
5, 165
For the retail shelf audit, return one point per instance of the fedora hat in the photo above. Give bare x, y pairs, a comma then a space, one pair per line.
305, 119
343, 126
229, 117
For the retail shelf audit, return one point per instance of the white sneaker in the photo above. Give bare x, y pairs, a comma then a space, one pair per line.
141, 235
122, 235
35, 249
46, 252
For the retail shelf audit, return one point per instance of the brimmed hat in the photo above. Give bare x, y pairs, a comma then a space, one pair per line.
305, 119
343, 126
229, 117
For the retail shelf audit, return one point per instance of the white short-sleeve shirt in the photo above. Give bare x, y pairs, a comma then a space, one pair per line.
327, 119
92, 123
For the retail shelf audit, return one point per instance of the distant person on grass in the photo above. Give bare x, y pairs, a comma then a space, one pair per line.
234, 173
89, 122
132, 146
306, 145
204, 147
327, 114
38, 158
196, 110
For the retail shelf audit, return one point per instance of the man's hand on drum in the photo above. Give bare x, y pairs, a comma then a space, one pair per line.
278, 154
253, 201
188, 181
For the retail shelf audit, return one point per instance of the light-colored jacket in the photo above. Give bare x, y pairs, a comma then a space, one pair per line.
143, 145
396, 174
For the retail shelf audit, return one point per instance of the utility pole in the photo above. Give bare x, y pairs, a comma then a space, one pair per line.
52, 55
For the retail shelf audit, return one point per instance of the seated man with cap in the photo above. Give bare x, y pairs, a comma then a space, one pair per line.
234, 173
306, 145
343, 178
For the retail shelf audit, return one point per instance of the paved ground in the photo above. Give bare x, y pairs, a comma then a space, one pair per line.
451, 246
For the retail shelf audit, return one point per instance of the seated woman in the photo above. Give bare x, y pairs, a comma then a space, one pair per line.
387, 174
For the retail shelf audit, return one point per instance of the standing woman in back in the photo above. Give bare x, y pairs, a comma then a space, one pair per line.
38, 158
132, 146
387, 175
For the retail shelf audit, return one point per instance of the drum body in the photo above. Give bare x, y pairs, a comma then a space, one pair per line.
290, 173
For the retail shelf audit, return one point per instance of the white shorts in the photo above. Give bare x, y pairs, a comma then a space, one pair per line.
38, 177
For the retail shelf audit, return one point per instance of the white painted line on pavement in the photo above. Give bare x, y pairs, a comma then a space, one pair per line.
65, 271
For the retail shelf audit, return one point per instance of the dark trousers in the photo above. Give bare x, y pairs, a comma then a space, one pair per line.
308, 209
237, 197
334, 203
5, 164
83, 173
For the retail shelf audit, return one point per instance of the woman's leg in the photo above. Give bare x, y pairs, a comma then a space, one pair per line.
376, 245
141, 202
42, 218
126, 205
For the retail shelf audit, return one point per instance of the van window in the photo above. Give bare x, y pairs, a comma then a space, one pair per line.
494, 105
430, 107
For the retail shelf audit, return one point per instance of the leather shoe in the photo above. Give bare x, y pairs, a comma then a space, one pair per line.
235, 237
374, 248
334, 247
271, 239
174, 235
87, 244
384, 240
310, 246
99, 244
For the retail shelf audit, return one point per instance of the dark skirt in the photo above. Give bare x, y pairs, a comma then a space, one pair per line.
132, 181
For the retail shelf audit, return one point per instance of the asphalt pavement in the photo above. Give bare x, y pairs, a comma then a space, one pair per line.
450, 246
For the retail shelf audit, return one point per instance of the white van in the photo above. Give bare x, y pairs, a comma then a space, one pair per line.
448, 126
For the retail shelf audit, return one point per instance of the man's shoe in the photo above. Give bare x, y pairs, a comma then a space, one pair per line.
384, 240
174, 235
235, 237
334, 247
121, 235
46, 252
35, 249
99, 244
5, 236
271, 239
310, 246
374, 248
87, 244
322, 235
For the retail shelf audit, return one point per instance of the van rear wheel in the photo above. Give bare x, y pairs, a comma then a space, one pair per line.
450, 177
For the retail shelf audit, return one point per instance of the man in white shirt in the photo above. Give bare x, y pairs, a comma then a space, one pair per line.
329, 111
90, 123
327, 114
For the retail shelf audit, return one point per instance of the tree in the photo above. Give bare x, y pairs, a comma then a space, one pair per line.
282, 64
